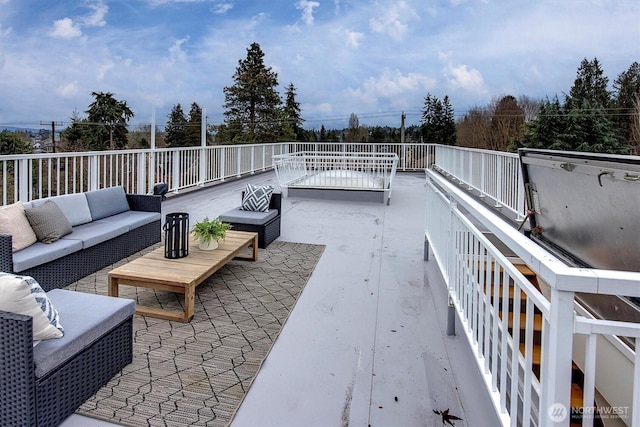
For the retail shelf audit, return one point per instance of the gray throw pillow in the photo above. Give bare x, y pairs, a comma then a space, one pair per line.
48, 222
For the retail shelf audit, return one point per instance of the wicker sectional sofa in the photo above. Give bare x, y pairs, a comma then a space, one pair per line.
45, 381
119, 225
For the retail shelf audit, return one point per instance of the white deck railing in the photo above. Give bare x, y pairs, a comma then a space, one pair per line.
470, 264
493, 174
33, 176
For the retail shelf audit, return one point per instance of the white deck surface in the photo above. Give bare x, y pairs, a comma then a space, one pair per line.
366, 344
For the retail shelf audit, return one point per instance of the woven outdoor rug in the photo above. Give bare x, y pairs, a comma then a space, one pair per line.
197, 373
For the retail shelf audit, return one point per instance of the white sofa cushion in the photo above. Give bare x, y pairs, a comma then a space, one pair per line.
13, 221
23, 295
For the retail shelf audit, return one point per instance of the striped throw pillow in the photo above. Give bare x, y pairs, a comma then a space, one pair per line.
257, 198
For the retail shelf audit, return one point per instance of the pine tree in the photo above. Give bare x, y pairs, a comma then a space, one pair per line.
437, 123
292, 114
627, 103
589, 86
549, 127
253, 101
176, 129
449, 123
110, 118
11, 143
194, 126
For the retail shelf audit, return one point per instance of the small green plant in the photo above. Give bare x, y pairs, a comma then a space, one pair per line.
210, 229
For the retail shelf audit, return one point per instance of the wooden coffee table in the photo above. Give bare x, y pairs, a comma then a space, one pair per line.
181, 275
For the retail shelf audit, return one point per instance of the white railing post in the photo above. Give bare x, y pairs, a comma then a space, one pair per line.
202, 163
252, 168
175, 170
555, 402
21, 177
142, 174
94, 172
223, 162
239, 161
151, 169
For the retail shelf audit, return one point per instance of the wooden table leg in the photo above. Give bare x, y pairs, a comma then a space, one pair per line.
113, 287
189, 302
255, 248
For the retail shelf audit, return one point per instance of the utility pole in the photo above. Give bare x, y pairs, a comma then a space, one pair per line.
53, 133
402, 119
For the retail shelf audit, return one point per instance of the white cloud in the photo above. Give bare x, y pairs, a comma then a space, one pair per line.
393, 82
256, 20
460, 77
65, 29
154, 3
96, 19
5, 32
307, 10
68, 90
222, 8
394, 19
322, 109
176, 53
353, 38
393, 87
103, 69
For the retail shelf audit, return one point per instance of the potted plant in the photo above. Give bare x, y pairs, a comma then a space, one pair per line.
208, 231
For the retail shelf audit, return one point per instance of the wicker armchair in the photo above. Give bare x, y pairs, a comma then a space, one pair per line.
29, 400
267, 231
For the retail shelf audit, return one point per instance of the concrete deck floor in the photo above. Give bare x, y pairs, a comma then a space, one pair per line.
366, 344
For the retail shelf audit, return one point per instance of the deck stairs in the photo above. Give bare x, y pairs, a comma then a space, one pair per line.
577, 379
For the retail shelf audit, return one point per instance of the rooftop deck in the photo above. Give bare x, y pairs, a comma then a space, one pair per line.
366, 343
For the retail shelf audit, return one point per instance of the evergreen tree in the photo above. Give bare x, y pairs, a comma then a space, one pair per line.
437, 122
589, 86
323, 134
292, 114
584, 123
110, 118
378, 134
82, 135
194, 126
253, 101
176, 130
449, 123
11, 143
548, 130
627, 103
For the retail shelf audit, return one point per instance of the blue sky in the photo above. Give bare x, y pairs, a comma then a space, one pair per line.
372, 58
